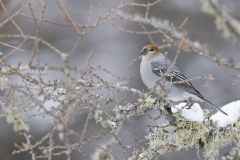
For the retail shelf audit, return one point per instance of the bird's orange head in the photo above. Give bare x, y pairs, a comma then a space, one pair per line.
150, 49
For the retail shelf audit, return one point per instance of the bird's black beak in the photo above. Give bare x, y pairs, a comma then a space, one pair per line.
143, 51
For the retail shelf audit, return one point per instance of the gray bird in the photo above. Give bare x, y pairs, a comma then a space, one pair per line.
155, 66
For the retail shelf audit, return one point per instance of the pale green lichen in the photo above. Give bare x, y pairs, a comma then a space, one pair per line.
6, 70
189, 133
122, 112
98, 116
104, 121
140, 107
185, 134
145, 104
220, 138
17, 120
179, 133
158, 138
162, 136
4, 83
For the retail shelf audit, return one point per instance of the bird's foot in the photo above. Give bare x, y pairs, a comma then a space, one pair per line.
189, 103
160, 101
168, 106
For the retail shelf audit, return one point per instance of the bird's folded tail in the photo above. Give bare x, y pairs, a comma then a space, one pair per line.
210, 103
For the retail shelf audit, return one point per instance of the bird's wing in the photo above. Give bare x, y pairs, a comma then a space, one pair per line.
173, 74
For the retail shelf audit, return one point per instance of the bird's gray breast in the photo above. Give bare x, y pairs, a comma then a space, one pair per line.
148, 77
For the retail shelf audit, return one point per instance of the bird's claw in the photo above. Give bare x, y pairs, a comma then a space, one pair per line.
189, 103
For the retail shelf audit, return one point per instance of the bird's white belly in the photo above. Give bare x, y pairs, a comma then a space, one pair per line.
148, 77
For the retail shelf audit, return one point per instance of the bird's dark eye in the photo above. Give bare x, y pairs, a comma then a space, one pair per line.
151, 49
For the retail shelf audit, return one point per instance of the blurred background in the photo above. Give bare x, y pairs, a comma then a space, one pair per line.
113, 49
